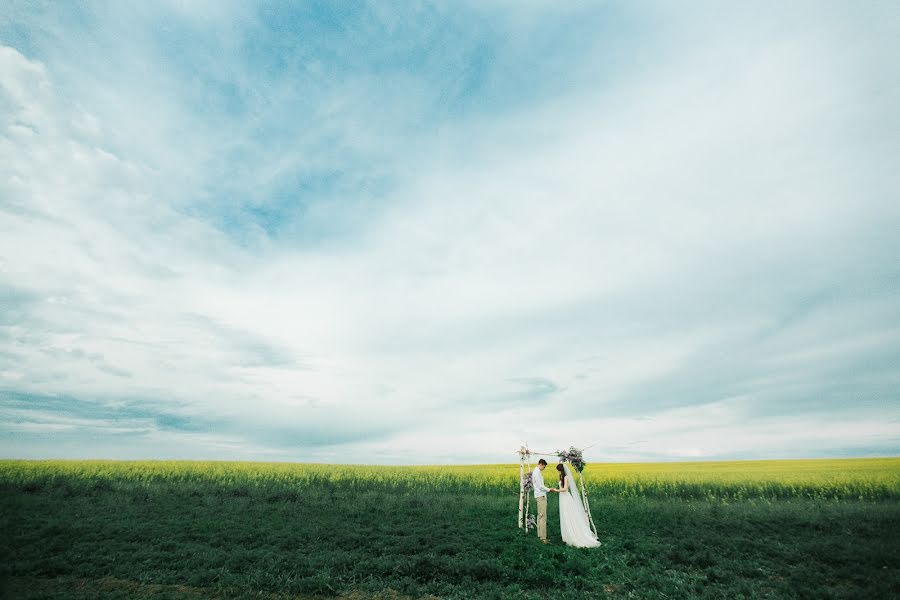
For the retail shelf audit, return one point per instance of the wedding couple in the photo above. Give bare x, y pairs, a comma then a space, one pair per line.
573, 521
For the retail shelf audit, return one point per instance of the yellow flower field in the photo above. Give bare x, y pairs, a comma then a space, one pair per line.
875, 478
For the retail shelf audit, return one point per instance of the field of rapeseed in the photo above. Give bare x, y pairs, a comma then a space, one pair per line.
862, 479
185, 529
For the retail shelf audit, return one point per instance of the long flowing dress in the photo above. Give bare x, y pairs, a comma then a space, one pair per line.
573, 522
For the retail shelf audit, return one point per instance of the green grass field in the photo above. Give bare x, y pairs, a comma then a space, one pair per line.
160, 529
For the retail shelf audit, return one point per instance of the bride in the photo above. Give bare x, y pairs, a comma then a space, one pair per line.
573, 521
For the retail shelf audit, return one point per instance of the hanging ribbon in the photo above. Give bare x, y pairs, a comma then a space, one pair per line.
587, 505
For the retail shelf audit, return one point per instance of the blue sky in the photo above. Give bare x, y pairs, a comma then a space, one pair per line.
426, 233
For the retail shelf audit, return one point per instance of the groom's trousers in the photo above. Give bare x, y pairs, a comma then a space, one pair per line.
542, 517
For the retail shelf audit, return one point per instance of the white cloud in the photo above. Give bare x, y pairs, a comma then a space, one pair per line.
686, 241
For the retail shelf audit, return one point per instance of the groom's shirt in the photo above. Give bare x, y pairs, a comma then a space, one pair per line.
540, 490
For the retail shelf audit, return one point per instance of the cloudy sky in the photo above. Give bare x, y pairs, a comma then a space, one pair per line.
428, 232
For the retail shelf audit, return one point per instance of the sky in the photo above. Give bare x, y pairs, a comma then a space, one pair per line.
430, 232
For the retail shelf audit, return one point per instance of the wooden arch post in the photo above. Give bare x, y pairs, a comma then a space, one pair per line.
523, 451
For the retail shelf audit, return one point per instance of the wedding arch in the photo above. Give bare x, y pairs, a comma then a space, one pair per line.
573, 456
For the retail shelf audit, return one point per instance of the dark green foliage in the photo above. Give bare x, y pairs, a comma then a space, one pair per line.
68, 537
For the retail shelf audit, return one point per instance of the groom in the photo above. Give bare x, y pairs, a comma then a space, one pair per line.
540, 498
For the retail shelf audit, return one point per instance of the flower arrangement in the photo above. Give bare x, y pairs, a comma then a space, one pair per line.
528, 483
530, 523
573, 457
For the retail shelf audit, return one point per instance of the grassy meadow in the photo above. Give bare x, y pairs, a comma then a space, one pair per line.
184, 529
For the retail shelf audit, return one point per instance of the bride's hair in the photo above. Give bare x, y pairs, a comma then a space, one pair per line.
562, 473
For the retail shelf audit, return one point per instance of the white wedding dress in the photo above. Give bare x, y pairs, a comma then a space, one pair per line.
573, 521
